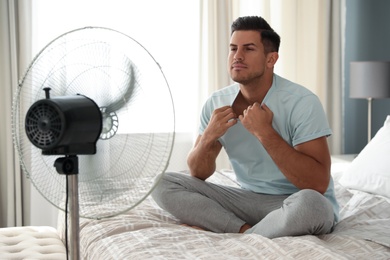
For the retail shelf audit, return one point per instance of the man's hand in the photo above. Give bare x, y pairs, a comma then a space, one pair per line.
221, 120
257, 119
201, 160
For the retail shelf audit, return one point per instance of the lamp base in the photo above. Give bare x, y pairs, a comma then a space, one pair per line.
369, 119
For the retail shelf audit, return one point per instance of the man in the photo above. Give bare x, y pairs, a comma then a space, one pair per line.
274, 132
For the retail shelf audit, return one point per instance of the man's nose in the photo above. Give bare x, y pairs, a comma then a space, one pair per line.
238, 56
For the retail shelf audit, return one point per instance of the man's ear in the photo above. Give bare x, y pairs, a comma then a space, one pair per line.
272, 58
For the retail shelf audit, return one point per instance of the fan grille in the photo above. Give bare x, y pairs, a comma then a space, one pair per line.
44, 125
128, 86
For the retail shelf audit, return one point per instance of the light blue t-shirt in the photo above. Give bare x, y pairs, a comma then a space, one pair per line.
298, 118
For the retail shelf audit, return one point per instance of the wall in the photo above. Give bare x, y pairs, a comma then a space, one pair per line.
367, 38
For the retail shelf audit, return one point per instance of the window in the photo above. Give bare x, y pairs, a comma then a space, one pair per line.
167, 29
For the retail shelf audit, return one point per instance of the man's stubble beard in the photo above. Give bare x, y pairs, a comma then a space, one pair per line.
245, 80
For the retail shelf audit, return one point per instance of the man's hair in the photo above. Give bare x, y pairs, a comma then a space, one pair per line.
269, 38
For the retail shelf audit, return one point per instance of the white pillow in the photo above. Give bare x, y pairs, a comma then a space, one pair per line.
370, 170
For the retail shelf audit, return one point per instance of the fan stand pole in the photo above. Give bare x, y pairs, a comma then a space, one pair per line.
69, 165
74, 216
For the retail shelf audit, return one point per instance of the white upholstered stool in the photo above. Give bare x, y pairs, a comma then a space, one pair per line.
31, 243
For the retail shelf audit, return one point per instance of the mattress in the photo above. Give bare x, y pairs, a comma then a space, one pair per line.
148, 232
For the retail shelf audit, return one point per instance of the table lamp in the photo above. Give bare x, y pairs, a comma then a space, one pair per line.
369, 80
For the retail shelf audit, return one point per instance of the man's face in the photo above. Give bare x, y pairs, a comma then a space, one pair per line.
246, 61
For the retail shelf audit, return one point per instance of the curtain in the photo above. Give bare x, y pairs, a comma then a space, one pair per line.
214, 34
14, 50
310, 52
334, 72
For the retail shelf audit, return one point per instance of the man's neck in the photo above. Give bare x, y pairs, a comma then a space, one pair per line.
256, 91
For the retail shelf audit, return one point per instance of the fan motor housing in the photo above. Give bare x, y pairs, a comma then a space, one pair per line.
65, 125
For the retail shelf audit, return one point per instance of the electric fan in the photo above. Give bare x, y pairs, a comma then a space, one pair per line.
94, 108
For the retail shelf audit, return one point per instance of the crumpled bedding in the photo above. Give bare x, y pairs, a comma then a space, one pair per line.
148, 232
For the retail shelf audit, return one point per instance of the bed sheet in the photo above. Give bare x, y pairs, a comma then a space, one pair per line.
148, 232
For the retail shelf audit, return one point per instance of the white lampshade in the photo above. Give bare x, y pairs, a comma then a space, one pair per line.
369, 79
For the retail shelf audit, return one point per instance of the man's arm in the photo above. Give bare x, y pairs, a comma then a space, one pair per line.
202, 158
306, 165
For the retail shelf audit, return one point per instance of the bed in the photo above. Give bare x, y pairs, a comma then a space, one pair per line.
363, 232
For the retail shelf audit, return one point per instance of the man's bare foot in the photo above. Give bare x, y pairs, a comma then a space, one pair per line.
194, 227
244, 228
